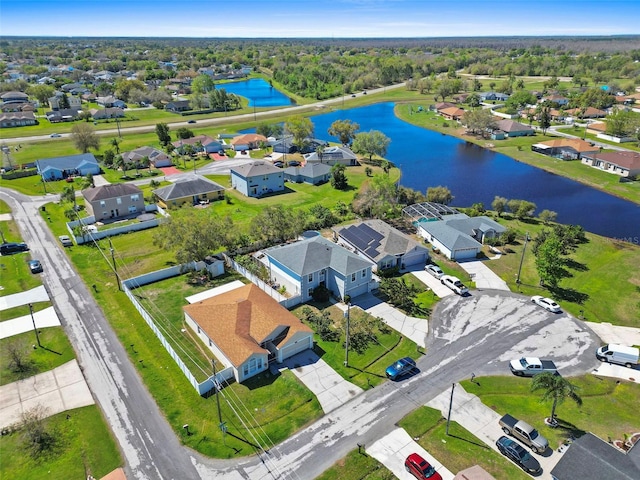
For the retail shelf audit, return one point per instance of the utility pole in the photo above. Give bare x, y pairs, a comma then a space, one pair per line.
453, 386
35, 329
346, 343
221, 424
115, 268
526, 239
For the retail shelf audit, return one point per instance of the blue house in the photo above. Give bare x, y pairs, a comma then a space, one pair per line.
493, 96
313, 173
257, 178
58, 168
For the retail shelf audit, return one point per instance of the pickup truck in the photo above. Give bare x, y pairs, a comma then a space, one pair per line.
524, 432
530, 366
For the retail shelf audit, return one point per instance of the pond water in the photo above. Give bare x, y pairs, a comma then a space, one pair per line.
259, 93
474, 174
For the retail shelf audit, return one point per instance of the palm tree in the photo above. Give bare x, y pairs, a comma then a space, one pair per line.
556, 388
116, 144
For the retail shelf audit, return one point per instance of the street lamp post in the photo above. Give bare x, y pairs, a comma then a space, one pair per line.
526, 239
35, 329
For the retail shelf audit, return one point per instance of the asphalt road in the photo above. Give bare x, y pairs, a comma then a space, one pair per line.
476, 334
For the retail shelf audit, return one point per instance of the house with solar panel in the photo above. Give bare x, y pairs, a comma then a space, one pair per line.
303, 266
385, 246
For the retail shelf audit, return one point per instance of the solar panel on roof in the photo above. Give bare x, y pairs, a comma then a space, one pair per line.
371, 252
370, 232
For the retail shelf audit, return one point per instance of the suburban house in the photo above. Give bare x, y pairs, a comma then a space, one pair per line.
557, 99
382, 244
248, 141
589, 112
440, 105
597, 127
257, 178
65, 115
302, 266
493, 96
333, 155
623, 163
113, 201
75, 103
511, 128
178, 106
592, 457
246, 330
455, 234
313, 173
58, 168
565, 148
188, 190
286, 145
14, 97
156, 157
17, 107
17, 119
111, 112
110, 101
209, 145
452, 113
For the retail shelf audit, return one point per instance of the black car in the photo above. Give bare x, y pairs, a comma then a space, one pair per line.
35, 266
191, 121
517, 453
10, 248
294, 164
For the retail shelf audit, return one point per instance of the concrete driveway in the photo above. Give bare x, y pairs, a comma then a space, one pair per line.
393, 449
411, 327
330, 388
484, 277
433, 283
37, 294
43, 318
482, 421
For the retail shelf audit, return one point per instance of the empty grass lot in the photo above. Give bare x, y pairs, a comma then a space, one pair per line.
609, 408
458, 450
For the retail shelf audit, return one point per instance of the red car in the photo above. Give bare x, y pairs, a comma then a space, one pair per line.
420, 468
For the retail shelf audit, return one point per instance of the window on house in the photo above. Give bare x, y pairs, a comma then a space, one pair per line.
102, 203
135, 198
310, 277
364, 273
309, 292
353, 277
119, 201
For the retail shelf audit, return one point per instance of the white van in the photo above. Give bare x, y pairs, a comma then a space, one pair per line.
620, 354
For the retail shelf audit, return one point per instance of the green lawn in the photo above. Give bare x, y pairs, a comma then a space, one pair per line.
357, 466
609, 408
458, 450
84, 445
367, 369
605, 289
57, 351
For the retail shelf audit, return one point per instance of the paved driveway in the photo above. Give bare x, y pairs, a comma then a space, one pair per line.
330, 388
433, 283
484, 277
411, 327
392, 450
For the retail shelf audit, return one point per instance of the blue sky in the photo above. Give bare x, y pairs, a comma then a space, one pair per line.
317, 18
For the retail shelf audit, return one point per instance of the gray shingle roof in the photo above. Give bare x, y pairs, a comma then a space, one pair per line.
311, 170
255, 168
110, 191
331, 153
187, 187
314, 254
469, 224
448, 236
69, 162
591, 457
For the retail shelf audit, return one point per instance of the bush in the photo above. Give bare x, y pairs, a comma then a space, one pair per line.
321, 294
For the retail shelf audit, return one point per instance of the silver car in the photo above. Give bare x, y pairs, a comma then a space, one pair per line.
434, 270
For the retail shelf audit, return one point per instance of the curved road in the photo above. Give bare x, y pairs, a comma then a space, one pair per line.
476, 334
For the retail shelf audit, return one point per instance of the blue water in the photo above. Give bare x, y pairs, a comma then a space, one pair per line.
259, 93
474, 174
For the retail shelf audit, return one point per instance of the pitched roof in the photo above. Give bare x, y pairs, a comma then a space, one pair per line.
450, 237
68, 162
113, 190
592, 457
628, 160
187, 186
598, 126
377, 239
255, 168
239, 320
331, 153
314, 254
248, 138
575, 143
204, 139
452, 111
509, 126
310, 170
139, 153
466, 224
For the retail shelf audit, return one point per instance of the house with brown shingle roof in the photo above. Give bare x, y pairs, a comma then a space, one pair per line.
246, 329
565, 148
625, 164
248, 141
451, 113
589, 112
597, 127
511, 128
113, 201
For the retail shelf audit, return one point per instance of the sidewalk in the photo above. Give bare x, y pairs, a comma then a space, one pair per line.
60, 389
38, 294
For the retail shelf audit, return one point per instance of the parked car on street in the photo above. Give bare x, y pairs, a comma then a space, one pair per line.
620, 354
191, 121
546, 303
530, 366
35, 266
524, 432
401, 367
518, 454
454, 284
420, 468
65, 241
9, 248
434, 270
55, 135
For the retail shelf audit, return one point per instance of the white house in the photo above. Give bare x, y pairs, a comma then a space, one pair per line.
257, 178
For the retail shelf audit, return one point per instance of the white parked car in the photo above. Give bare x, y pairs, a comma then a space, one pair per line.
454, 284
546, 303
434, 270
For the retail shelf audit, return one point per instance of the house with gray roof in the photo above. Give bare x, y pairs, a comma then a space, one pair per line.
17, 119
58, 168
333, 155
256, 179
454, 244
313, 173
156, 157
189, 190
511, 128
382, 244
112, 201
302, 266
592, 457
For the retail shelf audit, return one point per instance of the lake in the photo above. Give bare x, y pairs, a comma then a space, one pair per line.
258, 92
474, 174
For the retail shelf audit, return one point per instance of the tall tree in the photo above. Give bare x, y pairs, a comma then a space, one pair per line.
275, 223
203, 84
345, 130
499, 204
84, 137
555, 388
439, 194
544, 117
338, 178
115, 143
269, 129
162, 131
301, 128
550, 261
371, 143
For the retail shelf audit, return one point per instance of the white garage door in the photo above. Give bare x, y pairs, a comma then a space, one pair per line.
300, 346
